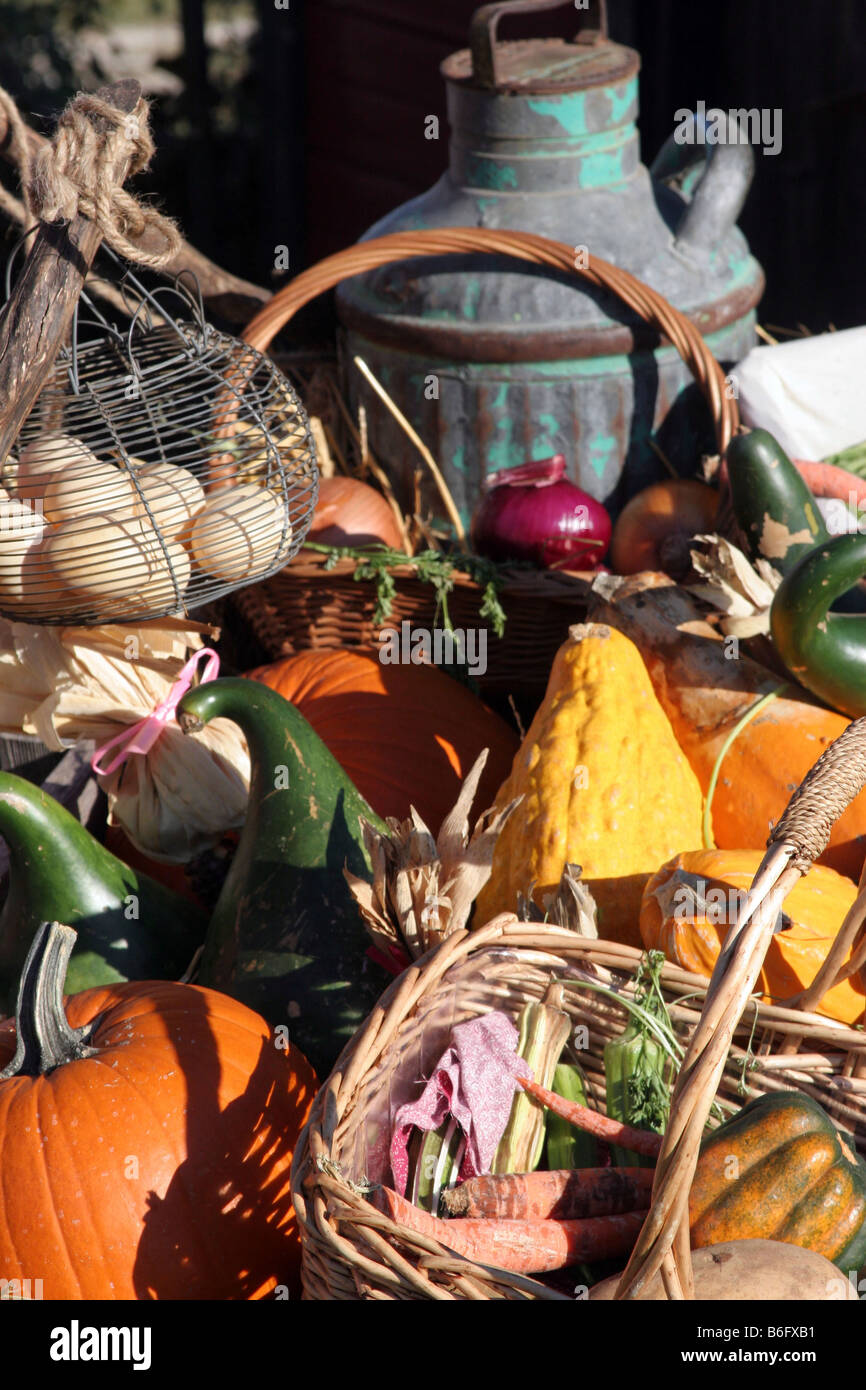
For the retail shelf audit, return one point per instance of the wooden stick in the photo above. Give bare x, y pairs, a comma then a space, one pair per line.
36, 319
767, 337
444, 491
660, 454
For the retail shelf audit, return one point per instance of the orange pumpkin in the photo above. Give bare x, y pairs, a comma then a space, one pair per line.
705, 693
688, 905
155, 1163
406, 735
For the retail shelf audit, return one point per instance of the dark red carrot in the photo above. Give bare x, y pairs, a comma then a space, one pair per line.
523, 1247
565, 1195
641, 1141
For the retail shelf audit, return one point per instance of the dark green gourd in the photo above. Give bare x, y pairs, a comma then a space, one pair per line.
129, 927
286, 936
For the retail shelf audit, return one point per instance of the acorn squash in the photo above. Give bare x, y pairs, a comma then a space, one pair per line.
780, 1170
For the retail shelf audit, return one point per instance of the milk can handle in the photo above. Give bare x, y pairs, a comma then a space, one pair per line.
714, 177
482, 29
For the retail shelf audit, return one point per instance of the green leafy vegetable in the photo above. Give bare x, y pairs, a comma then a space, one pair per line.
637, 1066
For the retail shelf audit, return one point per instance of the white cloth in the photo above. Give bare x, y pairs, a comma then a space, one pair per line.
810, 393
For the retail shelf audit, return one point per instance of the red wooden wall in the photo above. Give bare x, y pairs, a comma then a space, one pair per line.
372, 76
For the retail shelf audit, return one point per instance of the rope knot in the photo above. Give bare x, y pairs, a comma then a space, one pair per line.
76, 175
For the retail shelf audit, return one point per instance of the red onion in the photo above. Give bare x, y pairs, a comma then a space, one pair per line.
533, 512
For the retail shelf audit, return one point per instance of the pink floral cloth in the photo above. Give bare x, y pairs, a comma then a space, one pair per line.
474, 1080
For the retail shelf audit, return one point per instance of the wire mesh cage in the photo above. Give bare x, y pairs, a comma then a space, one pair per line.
164, 465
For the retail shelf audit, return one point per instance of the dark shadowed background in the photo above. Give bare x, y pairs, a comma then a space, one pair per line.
300, 126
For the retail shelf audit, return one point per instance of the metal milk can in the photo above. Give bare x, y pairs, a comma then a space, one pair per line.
495, 363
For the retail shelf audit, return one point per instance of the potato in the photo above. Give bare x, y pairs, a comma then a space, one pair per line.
752, 1271
239, 533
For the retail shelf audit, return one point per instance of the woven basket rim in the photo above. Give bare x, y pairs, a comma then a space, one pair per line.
308, 564
326, 1198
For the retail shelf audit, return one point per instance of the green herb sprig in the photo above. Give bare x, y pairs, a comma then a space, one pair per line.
375, 563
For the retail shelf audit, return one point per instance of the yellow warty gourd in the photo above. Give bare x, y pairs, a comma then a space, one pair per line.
604, 785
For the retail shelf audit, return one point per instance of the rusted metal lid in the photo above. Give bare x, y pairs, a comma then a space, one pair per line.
530, 66
589, 59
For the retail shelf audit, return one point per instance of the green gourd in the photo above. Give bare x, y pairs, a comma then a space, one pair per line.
777, 514
129, 927
825, 651
286, 937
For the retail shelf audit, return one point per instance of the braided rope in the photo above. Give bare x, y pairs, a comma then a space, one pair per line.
72, 176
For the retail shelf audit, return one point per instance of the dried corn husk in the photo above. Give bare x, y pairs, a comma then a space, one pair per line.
423, 887
572, 906
734, 586
67, 684
544, 1029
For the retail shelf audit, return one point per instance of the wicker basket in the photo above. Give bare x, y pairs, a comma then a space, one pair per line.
304, 606
351, 1251
307, 606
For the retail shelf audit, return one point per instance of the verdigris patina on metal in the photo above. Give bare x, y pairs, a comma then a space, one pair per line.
496, 362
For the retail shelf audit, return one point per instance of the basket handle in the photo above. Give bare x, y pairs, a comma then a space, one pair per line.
652, 307
797, 841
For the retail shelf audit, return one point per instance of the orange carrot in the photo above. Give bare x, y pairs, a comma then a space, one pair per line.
523, 1247
565, 1194
641, 1141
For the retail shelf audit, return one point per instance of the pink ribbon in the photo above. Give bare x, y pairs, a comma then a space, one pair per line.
140, 737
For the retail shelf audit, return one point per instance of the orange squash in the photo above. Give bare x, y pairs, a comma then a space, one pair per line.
691, 901
406, 735
705, 685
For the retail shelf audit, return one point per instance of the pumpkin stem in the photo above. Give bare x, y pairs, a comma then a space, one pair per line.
44, 1037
